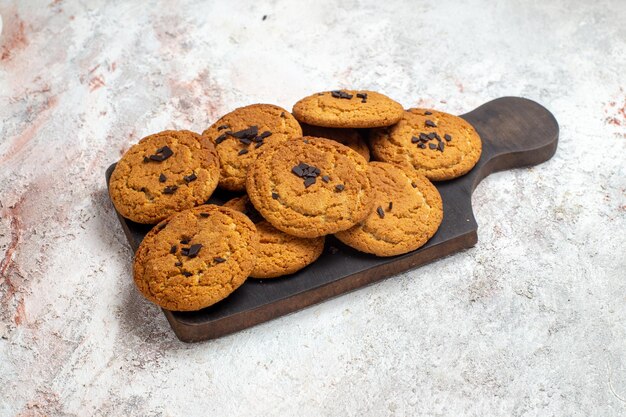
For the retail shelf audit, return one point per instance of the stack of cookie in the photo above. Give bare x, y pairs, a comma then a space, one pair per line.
294, 179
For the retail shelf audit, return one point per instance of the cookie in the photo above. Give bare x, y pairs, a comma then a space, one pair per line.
310, 187
438, 145
163, 174
348, 137
195, 258
278, 253
407, 212
348, 108
240, 135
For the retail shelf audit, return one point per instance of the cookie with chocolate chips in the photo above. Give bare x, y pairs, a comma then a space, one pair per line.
195, 258
310, 187
278, 253
348, 137
242, 134
438, 145
407, 212
164, 173
348, 109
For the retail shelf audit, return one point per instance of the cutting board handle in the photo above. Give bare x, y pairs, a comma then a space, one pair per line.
515, 131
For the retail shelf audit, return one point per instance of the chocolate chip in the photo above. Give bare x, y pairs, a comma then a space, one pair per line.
282, 114
173, 249
363, 96
437, 137
162, 178
341, 94
193, 250
447, 137
245, 141
390, 205
258, 144
413, 185
428, 113
185, 240
381, 212
221, 138
275, 196
205, 215
242, 152
249, 133
441, 146
187, 274
340, 187
161, 154
262, 136
222, 127
325, 178
219, 260
298, 170
424, 137
422, 145
191, 177
170, 189
306, 171
430, 123
308, 182
146, 159
178, 263
432, 146
415, 139
432, 135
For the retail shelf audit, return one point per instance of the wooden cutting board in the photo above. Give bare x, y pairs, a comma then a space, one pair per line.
515, 132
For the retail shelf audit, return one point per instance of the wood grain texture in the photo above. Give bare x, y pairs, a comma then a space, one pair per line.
515, 132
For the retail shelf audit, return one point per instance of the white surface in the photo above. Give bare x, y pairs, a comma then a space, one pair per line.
529, 322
